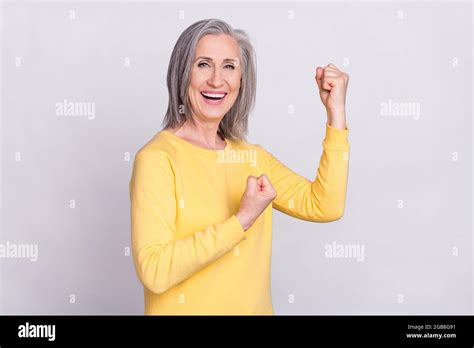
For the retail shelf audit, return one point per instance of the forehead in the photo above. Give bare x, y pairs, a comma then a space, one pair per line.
218, 47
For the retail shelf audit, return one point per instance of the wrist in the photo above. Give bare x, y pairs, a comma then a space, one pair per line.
337, 119
336, 113
244, 221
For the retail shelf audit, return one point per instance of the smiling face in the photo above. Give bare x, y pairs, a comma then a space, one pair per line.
215, 77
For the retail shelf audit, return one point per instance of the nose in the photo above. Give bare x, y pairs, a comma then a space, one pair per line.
215, 79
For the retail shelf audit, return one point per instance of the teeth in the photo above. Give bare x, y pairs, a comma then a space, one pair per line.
213, 95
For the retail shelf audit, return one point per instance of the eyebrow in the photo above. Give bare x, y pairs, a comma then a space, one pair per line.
209, 58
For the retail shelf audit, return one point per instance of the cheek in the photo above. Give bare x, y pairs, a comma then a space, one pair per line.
197, 79
235, 84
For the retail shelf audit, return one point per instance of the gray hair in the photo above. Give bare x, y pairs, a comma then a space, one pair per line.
234, 124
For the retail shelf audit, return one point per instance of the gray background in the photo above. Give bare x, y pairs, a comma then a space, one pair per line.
409, 266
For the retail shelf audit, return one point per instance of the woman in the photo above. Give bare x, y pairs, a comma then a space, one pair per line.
201, 210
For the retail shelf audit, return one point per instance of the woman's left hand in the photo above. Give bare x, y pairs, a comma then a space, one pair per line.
332, 84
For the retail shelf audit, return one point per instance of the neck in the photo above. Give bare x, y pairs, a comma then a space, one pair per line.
202, 132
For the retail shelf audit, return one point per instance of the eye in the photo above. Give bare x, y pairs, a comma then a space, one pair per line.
228, 66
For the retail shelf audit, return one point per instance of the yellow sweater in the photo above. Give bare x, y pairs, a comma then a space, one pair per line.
190, 252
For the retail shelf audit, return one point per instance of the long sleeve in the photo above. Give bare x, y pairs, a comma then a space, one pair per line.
321, 200
161, 260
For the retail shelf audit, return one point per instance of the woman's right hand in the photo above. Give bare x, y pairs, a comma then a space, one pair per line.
258, 194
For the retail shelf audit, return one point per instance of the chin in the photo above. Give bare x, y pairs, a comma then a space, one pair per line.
213, 115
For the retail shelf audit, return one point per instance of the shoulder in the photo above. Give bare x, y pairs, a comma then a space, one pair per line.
257, 150
157, 152
246, 145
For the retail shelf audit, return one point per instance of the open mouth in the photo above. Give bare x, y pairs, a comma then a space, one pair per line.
213, 96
